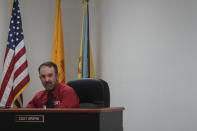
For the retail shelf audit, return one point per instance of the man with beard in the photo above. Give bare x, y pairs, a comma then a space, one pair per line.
55, 95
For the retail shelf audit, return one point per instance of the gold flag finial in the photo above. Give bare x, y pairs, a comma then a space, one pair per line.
83, 1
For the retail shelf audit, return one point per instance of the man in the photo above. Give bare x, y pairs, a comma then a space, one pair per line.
55, 95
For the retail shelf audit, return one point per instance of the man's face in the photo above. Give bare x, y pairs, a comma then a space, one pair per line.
48, 77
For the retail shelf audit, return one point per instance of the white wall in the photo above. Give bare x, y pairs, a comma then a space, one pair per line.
149, 57
4, 18
144, 49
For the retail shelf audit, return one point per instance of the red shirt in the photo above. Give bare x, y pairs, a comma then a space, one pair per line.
64, 96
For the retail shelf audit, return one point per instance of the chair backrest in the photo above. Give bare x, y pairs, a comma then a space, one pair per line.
93, 93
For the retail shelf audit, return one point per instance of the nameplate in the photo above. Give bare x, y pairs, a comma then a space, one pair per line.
29, 118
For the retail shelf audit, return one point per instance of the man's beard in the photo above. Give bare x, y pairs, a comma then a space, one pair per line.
49, 86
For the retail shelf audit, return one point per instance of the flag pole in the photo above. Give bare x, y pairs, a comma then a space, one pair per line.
11, 5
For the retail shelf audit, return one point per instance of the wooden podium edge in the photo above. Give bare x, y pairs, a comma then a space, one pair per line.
69, 110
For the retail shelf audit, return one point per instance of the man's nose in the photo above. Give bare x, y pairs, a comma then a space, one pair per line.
47, 79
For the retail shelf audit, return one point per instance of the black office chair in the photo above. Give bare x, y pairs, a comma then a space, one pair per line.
93, 93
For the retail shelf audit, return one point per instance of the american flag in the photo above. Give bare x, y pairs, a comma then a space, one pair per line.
15, 76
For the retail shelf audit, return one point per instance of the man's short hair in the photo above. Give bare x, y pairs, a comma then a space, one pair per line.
49, 64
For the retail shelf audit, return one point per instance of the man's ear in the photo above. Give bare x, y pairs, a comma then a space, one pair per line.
40, 77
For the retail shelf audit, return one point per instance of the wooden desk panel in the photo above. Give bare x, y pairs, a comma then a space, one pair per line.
70, 119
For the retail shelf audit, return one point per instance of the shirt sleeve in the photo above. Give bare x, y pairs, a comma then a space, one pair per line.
31, 104
69, 99
34, 102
